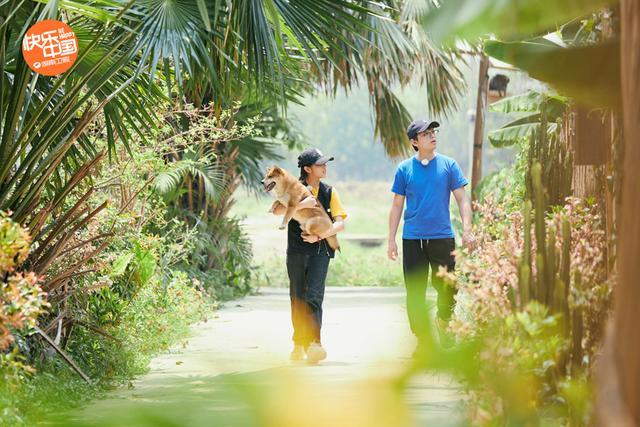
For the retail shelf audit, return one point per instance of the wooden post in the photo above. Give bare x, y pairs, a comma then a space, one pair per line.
478, 134
620, 373
627, 296
590, 140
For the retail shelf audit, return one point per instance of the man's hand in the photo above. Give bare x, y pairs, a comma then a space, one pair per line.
392, 250
468, 240
310, 238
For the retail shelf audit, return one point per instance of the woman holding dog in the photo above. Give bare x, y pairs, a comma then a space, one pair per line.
308, 258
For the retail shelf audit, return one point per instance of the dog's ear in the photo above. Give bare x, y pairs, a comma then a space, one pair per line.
276, 170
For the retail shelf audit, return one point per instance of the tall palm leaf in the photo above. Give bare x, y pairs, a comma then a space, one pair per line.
530, 103
191, 167
50, 124
232, 44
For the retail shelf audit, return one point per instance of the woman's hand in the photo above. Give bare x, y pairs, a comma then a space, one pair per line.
310, 238
307, 203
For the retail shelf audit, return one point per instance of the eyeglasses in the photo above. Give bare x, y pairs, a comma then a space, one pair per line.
431, 132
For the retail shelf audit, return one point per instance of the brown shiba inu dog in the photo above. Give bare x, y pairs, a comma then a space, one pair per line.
289, 192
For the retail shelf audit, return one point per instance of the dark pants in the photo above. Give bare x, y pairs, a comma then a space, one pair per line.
418, 256
307, 274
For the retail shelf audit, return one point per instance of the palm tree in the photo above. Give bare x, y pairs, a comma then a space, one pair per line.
50, 125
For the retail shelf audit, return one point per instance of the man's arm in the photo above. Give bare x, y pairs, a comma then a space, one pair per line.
394, 220
465, 214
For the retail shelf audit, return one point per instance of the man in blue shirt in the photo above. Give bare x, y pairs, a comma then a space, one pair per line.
426, 181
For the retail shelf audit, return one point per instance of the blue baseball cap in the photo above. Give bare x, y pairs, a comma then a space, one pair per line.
418, 126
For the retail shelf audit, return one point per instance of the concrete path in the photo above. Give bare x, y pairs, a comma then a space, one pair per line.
235, 371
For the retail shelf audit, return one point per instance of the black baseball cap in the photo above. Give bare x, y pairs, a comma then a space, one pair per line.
312, 156
418, 126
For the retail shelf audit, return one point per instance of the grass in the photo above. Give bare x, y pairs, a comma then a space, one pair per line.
353, 266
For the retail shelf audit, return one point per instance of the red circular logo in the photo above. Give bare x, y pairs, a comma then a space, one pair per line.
50, 47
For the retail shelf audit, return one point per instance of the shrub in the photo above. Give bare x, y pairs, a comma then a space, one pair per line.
535, 358
21, 302
221, 258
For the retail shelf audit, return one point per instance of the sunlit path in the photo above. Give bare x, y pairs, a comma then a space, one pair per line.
235, 371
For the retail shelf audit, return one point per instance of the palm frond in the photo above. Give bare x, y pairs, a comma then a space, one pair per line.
170, 180
529, 102
521, 129
390, 117
512, 134
438, 68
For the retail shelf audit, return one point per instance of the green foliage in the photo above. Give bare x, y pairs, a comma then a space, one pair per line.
145, 265
472, 19
587, 70
132, 303
506, 187
590, 74
520, 358
156, 319
521, 129
220, 258
130, 273
552, 152
536, 295
530, 102
120, 264
169, 181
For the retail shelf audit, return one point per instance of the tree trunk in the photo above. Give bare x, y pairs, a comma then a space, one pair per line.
585, 181
624, 337
478, 135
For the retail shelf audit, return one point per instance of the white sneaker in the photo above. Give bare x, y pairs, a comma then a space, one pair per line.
315, 353
447, 339
297, 353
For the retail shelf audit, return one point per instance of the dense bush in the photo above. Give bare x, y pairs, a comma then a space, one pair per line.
21, 302
535, 360
221, 258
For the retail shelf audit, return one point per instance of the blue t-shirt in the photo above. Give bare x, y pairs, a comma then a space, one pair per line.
427, 190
